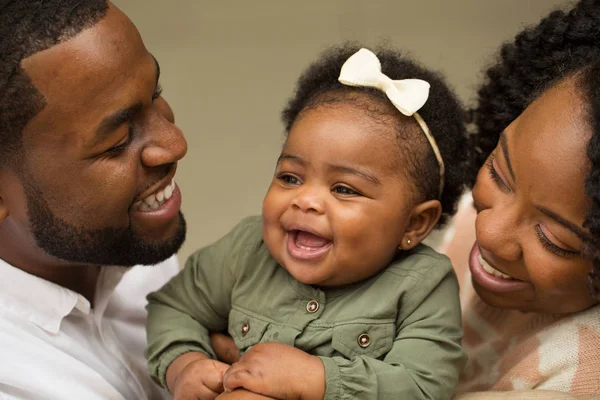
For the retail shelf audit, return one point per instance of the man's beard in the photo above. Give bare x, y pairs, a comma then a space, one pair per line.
105, 246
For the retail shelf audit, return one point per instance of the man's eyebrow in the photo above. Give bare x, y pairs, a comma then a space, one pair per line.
504, 146
564, 222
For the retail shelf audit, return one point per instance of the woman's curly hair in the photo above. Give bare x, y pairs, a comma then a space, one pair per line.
443, 113
561, 45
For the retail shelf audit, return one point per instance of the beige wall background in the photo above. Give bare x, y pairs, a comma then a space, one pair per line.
228, 67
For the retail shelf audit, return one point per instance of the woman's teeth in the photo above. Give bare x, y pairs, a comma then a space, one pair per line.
155, 200
490, 270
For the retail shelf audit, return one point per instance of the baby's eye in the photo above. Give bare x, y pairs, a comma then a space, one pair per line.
345, 190
289, 179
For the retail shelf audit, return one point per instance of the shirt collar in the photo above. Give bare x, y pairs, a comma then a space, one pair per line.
44, 303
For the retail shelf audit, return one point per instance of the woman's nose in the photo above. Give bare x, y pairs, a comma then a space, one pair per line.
497, 231
309, 199
165, 142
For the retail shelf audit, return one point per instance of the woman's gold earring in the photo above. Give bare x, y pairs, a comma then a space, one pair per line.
408, 242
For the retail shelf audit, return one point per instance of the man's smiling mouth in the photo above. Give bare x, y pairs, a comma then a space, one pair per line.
156, 199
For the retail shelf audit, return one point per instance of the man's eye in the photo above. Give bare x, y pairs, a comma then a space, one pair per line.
157, 92
120, 147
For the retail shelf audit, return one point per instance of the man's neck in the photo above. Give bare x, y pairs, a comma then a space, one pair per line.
80, 278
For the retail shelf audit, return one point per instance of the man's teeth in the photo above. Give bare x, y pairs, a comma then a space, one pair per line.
155, 200
490, 270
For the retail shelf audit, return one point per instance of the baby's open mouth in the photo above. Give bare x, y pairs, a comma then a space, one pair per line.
305, 245
309, 241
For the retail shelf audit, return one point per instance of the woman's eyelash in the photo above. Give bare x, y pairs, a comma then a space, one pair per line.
551, 246
494, 174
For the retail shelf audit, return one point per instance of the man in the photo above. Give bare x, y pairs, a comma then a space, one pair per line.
88, 153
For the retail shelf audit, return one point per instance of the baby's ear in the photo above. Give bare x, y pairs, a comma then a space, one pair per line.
423, 219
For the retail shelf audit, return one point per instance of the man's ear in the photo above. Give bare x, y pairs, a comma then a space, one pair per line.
423, 219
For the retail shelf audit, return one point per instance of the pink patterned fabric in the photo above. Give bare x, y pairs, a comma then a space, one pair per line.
512, 350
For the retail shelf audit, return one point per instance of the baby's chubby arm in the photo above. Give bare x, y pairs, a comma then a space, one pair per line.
183, 312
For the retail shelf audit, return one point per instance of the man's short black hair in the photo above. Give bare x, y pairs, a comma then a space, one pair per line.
28, 27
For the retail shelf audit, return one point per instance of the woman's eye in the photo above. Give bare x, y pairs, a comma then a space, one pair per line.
548, 244
289, 179
495, 175
345, 190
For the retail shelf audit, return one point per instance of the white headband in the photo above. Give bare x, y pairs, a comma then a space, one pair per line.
407, 95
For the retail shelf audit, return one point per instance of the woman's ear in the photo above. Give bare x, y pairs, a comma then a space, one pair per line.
423, 219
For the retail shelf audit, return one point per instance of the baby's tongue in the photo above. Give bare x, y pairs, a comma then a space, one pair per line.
306, 239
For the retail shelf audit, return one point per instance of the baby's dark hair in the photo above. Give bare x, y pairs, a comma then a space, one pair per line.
562, 45
28, 27
442, 113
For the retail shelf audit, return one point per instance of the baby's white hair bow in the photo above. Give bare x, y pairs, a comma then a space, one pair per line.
407, 95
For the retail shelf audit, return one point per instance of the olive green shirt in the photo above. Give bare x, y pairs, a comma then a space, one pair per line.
395, 335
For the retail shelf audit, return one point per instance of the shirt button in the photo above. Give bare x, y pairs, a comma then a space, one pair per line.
245, 329
312, 306
364, 340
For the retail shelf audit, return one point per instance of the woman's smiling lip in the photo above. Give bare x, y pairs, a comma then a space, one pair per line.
489, 281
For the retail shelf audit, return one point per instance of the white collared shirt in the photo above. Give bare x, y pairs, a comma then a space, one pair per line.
53, 345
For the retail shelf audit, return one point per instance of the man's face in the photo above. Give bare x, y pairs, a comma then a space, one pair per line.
96, 183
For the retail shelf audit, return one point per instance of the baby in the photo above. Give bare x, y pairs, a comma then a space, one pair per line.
330, 293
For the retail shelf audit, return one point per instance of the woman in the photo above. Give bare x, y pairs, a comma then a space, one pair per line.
530, 268
530, 292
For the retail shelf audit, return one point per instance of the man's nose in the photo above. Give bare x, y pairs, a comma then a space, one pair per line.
165, 143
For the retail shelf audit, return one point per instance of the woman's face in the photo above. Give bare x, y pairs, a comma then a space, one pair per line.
531, 207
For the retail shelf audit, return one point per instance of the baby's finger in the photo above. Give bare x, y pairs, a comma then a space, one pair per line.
214, 381
237, 376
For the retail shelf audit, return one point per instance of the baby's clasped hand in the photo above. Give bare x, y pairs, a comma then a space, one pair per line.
278, 370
